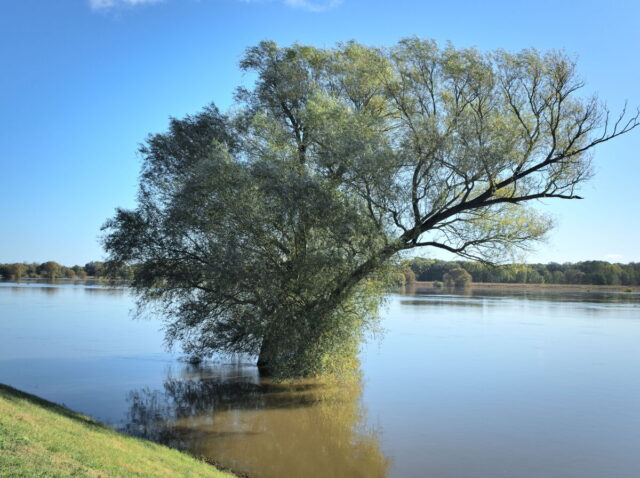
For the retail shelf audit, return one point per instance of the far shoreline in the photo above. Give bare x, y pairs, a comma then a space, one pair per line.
428, 285
416, 286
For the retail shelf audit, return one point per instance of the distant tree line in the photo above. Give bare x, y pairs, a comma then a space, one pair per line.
418, 269
54, 270
587, 272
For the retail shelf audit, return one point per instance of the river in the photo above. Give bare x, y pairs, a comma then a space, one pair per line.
494, 383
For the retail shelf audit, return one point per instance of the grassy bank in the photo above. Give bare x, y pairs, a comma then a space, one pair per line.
41, 439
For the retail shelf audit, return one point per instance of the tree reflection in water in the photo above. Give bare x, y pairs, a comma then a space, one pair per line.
234, 417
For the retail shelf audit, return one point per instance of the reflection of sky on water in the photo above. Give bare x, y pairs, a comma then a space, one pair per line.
45, 321
505, 386
497, 383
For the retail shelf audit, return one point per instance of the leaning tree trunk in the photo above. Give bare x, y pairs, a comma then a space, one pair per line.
266, 355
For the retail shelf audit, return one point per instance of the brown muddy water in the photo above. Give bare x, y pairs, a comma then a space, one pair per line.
483, 384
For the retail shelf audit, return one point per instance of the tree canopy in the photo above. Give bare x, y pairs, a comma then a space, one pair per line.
269, 230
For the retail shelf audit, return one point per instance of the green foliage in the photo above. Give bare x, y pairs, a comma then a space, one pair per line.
268, 230
50, 269
456, 277
16, 271
409, 276
402, 276
94, 269
79, 272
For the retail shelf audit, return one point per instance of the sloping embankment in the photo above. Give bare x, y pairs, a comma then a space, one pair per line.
39, 438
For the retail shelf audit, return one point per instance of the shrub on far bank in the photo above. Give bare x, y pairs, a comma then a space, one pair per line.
456, 277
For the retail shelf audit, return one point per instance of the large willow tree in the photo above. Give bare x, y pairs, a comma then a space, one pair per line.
269, 230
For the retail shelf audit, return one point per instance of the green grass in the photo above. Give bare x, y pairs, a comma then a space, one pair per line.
41, 439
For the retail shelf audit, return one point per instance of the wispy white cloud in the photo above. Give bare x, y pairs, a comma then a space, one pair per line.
110, 4
308, 5
313, 5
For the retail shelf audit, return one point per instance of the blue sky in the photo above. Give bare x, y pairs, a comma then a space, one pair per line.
84, 81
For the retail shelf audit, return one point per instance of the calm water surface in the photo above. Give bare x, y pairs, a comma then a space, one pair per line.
493, 384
